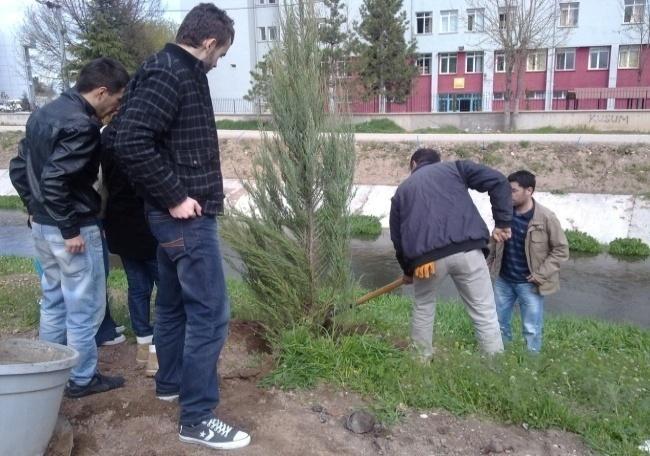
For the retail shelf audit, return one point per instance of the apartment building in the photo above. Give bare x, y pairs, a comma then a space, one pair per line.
597, 62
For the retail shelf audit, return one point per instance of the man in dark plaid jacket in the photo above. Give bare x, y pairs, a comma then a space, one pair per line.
166, 141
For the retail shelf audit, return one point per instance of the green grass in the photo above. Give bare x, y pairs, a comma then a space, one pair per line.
524, 144
364, 226
11, 202
378, 126
551, 130
227, 124
15, 265
444, 129
582, 242
9, 139
592, 378
629, 247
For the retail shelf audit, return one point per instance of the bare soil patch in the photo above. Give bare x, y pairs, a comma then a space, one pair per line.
131, 421
590, 168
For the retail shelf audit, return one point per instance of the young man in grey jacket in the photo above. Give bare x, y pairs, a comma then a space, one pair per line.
437, 231
527, 267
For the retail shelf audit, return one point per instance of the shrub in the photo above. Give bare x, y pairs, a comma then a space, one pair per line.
364, 226
629, 247
582, 242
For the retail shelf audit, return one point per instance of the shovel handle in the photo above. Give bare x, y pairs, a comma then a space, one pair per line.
380, 291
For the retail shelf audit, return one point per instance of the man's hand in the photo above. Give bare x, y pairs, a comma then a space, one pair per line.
75, 245
532, 279
425, 271
501, 234
189, 208
407, 279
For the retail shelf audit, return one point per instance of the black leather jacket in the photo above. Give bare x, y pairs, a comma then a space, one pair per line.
58, 162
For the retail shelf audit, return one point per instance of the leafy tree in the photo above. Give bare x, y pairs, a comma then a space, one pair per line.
294, 240
335, 47
384, 57
335, 42
140, 25
104, 35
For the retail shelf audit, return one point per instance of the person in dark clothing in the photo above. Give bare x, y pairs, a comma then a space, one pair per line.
128, 236
167, 143
54, 173
437, 231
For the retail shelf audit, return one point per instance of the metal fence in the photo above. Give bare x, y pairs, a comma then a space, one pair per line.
636, 98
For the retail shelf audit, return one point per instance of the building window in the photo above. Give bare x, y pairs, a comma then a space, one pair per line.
535, 95
267, 2
341, 69
536, 61
460, 102
424, 23
423, 62
559, 94
598, 58
268, 33
499, 62
628, 57
565, 59
498, 96
634, 11
448, 63
504, 16
569, 14
474, 62
449, 21
475, 20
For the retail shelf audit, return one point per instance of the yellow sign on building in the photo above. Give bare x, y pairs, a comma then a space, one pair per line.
459, 83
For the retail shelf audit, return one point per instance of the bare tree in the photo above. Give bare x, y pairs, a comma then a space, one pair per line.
40, 30
516, 27
636, 25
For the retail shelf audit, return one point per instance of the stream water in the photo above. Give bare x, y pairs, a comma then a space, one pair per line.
600, 286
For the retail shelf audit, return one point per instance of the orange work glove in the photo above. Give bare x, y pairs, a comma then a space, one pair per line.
425, 271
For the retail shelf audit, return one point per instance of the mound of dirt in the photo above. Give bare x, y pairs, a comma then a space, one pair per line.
131, 421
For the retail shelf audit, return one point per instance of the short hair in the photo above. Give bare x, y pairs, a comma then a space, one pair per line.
524, 178
425, 155
102, 72
203, 22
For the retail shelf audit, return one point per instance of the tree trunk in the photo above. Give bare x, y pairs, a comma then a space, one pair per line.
507, 101
519, 68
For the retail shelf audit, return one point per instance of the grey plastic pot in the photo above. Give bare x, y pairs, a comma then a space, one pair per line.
33, 374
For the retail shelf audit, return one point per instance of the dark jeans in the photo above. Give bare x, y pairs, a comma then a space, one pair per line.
106, 330
192, 312
141, 276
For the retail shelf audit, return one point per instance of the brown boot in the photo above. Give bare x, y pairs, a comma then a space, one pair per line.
152, 362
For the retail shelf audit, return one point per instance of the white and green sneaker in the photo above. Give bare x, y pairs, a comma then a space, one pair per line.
214, 433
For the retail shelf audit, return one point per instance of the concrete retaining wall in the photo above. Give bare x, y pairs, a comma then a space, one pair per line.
633, 121
605, 217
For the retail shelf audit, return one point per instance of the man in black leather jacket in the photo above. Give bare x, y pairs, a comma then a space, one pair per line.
54, 172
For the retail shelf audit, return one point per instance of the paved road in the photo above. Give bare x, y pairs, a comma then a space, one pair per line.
468, 137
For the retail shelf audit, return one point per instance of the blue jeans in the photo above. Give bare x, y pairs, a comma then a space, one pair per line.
141, 276
531, 305
74, 294
192, 312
